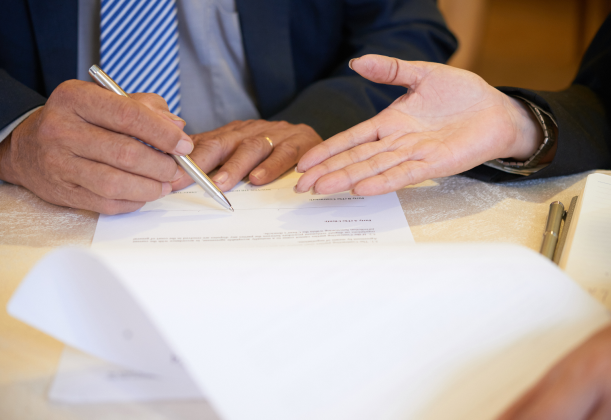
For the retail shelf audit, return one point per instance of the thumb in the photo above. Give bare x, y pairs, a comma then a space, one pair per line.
179, 122
391, 71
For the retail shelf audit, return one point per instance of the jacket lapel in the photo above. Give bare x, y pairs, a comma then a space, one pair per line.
56, 30
267, 44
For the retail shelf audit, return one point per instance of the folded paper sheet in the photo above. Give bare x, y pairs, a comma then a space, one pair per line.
82, 378
587, 256
391, 333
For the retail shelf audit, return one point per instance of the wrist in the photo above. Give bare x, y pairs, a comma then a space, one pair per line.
8, 146
6, 172
9, 152
529, 134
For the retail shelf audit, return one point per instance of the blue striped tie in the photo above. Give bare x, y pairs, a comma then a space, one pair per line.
139, 47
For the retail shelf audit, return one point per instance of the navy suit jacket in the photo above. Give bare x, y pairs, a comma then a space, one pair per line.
297, 52
583, 113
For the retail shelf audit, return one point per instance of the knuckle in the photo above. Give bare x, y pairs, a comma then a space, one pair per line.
246, 125
384, 160
112, 186
167, 169
65, 89
127, 155
127, 115
354, 154
153, 100
374, 165
408, 176
236, 123
289, 151
233, 166
212, 150
253, 145
68, 94
214, 145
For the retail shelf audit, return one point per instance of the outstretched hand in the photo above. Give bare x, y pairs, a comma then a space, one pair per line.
449, 121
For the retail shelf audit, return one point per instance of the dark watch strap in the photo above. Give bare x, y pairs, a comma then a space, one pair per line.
531, 165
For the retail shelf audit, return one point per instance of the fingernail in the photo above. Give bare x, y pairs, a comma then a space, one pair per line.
350, 63
313, 192
353, 193
297, 192
177, 175
174, 117
220, 177
166, 188
184, 147
259, 173
297, 170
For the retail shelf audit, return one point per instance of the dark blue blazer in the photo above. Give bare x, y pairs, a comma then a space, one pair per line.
583, 113
297, 52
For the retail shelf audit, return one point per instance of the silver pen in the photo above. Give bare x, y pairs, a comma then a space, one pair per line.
552, 228
185, 162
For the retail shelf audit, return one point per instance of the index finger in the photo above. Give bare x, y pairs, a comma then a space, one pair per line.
364, 132
128, 116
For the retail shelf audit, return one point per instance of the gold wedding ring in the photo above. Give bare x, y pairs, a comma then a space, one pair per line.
271, 143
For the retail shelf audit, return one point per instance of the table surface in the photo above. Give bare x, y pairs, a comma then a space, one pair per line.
453, 209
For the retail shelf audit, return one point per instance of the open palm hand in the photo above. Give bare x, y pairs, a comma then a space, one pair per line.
449, 121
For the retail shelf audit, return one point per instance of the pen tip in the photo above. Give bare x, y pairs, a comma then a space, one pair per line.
231, 208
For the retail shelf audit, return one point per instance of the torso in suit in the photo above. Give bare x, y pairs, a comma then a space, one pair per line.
297, 53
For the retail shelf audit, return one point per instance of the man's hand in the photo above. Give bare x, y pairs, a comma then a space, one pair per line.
449, 121
242, 148
577, 388
78, 149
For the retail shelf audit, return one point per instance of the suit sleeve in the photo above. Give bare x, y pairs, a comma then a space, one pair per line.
583, 113
406, 29
17, 99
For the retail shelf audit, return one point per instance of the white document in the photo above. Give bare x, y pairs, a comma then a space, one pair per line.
587, 256
269, 215
277, 195
82, 378
387, 333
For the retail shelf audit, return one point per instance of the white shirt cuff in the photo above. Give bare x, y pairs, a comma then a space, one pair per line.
9, 128
525, 172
